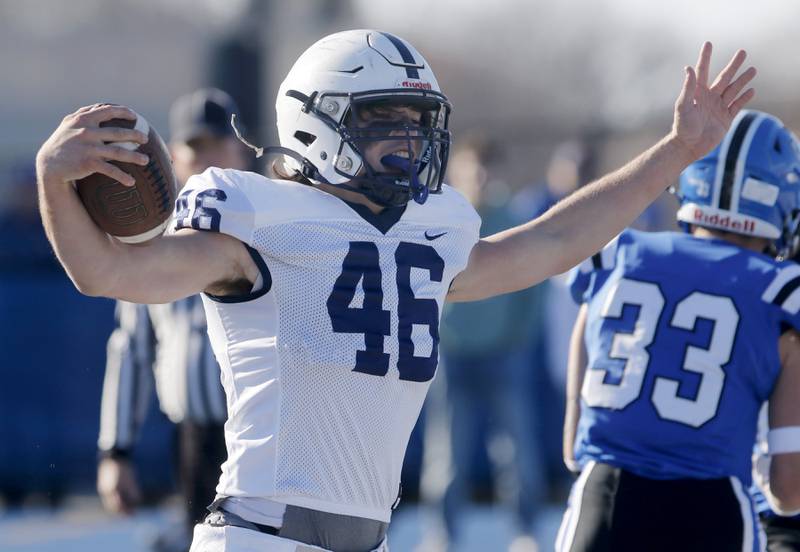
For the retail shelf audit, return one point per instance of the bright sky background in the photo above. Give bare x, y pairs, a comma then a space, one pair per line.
616, 58
615, 63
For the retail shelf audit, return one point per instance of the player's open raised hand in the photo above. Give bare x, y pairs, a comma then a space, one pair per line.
704, 113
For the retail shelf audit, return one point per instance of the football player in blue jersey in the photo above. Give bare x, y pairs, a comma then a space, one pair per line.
680, 339
323, 287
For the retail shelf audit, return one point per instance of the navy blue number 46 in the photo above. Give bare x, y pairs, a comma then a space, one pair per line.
362, 263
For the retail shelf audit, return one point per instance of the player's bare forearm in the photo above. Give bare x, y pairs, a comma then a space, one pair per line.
188, 262
162, 270
86, 252
580, 225
80, 146
573, 229
784, 411
576, 368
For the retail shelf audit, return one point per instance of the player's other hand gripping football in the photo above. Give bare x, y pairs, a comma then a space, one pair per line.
704, 113
80, 146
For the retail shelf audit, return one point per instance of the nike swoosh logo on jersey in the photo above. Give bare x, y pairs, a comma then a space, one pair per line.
431, 237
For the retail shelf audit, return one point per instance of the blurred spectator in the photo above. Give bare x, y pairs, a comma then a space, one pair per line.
168, 345
485, 353
572, 165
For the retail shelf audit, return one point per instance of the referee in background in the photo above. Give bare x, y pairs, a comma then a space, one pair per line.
166, 347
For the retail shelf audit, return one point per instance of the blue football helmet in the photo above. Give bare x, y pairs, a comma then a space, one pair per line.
749, 184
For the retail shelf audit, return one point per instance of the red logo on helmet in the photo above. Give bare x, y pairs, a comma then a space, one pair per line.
726, 222
417, 84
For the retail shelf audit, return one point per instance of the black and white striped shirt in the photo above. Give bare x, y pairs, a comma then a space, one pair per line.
161, 346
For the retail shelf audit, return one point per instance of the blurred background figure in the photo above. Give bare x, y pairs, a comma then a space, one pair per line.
485, 349
167, 345
572, 164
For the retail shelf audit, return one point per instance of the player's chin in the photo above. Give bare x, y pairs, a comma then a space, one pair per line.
379, 168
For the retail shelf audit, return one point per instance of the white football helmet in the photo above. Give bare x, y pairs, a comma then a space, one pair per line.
330, 83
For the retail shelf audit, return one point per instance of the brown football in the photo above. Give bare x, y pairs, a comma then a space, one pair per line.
141, 212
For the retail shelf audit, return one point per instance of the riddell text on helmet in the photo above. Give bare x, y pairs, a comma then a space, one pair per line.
726, 222
416, 84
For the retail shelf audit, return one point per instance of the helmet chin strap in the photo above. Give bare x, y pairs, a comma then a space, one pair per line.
311, 172
419, 193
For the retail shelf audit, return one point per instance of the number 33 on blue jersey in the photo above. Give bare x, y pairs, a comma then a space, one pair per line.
632, 347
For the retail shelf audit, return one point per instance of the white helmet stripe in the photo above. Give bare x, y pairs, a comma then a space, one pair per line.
731, 160
738, 179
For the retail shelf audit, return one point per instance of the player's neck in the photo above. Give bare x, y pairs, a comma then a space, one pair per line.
352, 197
745, 242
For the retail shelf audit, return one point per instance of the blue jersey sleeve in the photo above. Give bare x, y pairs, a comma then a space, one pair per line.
783, 292
586, 278
579, 282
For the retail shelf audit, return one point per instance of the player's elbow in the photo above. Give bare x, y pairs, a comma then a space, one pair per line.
785, 482
785, 503
97, 280
90, 287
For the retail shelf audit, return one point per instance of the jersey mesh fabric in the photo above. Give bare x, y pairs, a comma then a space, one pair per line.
305, 428
344, 430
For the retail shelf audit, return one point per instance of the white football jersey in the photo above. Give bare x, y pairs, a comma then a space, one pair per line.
327, 365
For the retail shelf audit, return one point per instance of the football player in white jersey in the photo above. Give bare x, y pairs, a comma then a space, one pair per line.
323, 287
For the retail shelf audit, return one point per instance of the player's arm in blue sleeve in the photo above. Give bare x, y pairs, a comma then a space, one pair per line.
584, 281
782, 488
576, 368
778, 474
579, 281
783, 291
